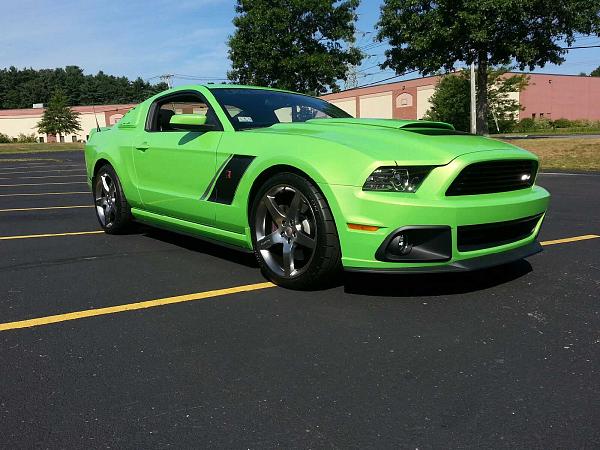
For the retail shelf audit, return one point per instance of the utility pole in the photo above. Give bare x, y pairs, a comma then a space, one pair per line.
167, 78
351, 77
473, 100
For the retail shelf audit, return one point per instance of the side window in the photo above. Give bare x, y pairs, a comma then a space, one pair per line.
163, 109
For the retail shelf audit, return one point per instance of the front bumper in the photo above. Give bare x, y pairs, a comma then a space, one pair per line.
465, 265
429, 207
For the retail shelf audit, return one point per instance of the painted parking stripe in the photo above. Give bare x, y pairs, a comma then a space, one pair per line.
47, 235
41, 166
44, 171
568, 174
45, 208
41, 178
29, 323
132, 306
570, 239
33, 194
43, 184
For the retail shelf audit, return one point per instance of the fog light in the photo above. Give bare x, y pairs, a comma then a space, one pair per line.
401, 245
401, 242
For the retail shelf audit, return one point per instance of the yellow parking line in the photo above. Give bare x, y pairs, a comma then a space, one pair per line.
33, 236
43, 193
43, 208
570, 239
132, 306
43, 184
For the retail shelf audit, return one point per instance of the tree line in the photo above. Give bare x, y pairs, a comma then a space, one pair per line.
21, 88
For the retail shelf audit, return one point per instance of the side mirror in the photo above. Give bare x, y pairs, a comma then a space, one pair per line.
188, 122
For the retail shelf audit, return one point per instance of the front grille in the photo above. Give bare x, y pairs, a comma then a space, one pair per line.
488, 177
477, 237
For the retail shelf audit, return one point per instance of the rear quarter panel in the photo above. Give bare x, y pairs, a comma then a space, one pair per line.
114, 145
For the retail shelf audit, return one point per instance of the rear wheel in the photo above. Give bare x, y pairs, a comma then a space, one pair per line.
293, 233
112, 210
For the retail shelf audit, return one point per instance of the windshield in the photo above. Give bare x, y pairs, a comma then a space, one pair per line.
255, 108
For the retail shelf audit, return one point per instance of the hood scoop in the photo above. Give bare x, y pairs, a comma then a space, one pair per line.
407, 125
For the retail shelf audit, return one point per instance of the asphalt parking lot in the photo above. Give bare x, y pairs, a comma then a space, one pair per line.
503, 358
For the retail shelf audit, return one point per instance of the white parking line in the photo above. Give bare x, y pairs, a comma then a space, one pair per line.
45, 208
33, 194
41, 178
42, 166
42, 184
45, 171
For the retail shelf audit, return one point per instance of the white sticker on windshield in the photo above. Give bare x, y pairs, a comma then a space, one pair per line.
244, 119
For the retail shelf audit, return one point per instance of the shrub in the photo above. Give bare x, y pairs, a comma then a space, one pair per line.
562, 123
26, 138
4, 139
525, 125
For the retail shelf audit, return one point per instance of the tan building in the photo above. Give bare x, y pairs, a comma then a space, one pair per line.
547, 96
24, 121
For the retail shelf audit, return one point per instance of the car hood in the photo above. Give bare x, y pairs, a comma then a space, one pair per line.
403, 141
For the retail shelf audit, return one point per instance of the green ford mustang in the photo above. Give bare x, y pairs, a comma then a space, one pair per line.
310, 189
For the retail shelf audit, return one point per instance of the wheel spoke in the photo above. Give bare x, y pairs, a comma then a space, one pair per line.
305, 240
108, 210
105, 183
288, 258
270, 240
274, 210
292, 213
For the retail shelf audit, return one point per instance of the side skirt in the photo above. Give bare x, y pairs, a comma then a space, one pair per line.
217, 236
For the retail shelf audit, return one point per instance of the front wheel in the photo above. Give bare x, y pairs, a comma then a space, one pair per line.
293, 233
112, 210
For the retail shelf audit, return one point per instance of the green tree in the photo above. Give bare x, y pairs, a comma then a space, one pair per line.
595, 72
429, 35
58, 117
300, 45
451, 100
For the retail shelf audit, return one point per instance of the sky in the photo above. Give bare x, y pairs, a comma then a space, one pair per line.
147, 38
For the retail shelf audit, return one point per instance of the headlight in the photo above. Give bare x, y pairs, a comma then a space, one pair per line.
397, 179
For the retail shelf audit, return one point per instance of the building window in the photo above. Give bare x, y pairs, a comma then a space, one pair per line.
62, 138
541, 115
73, 138
41, 139
533, 115
87, 137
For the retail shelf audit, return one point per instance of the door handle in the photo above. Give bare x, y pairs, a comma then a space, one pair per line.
143, 146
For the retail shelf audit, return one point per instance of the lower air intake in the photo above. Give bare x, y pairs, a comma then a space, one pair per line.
477, 237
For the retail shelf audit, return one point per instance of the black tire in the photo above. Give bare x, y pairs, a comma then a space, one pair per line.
310, 239
112, 210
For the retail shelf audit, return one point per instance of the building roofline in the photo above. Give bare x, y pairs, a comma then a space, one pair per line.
449, 73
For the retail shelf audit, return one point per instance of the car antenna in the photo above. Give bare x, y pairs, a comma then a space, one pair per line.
95, 117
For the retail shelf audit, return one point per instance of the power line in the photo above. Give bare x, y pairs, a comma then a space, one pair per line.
387, 79
580, 46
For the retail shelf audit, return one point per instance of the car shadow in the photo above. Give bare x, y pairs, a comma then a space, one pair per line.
198, 245
420, 285
371, 284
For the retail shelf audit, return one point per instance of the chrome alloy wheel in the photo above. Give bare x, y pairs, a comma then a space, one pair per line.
106, 197
285, 231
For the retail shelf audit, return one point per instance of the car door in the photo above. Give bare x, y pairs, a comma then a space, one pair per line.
174, 167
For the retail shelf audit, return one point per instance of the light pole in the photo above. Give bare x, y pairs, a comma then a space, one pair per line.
473, 100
